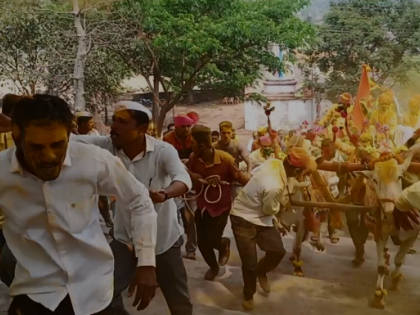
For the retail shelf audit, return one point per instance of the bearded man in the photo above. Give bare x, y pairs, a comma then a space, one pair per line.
261, 155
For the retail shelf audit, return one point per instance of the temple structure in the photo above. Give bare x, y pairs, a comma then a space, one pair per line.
281, 89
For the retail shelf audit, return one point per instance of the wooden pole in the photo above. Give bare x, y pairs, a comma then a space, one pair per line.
330, 205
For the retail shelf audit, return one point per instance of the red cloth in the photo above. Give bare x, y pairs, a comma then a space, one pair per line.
183, 120
265, 140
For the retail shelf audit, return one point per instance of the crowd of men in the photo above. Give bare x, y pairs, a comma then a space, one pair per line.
59, 177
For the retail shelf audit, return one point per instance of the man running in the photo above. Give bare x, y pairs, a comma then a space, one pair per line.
252, 218
155, 164
213, 171
49, 192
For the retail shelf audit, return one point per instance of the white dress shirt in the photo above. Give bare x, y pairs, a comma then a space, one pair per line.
260, 199
53, 229
156, 169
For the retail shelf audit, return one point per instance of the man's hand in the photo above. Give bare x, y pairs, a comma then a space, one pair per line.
5, 124
145, 282
157, 196
404, 219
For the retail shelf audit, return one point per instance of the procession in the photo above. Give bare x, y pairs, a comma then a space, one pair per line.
201, 179
209, 157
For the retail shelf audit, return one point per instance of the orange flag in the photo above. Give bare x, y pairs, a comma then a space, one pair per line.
363, 92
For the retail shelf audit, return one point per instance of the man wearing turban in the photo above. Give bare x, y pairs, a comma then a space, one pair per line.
334, 113
385, 115
180, 138
411, 119
262, 131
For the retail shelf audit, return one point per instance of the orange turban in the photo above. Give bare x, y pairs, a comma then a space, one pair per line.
299, 157
345, 98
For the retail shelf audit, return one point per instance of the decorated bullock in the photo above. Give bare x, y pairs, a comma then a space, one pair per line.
380, 185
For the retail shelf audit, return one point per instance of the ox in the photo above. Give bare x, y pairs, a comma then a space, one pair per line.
299, 217
385, 180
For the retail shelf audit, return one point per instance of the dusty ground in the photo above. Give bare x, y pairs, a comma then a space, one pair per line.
331, 285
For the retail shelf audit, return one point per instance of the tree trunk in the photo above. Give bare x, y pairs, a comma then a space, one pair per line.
190, 97
156, 100
106, 114
79, 62
161, 120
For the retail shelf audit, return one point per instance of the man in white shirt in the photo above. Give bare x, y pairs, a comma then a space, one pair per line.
49, 194
85, 124
156, 164
252, 218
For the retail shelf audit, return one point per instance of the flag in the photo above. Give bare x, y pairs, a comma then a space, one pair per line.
363, 92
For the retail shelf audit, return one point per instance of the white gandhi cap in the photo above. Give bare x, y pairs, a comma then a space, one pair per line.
83, 114
129, 105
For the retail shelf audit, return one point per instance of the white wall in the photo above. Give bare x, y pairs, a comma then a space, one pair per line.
288, 114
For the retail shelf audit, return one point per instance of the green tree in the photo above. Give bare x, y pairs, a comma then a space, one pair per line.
382, 33
206, 43
38, 48
34, 44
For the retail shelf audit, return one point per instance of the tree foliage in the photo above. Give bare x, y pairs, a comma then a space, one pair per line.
38, 47
382, 33
205, 43
33, 45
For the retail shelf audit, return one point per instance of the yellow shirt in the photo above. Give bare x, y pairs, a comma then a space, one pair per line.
6, 142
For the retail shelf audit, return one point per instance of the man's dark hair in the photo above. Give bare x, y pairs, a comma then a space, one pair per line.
9, 101
215, 133
170, 126
140, 117
41, 109
82, 120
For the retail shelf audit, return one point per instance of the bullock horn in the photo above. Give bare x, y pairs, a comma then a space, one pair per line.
399, 158
330, 205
